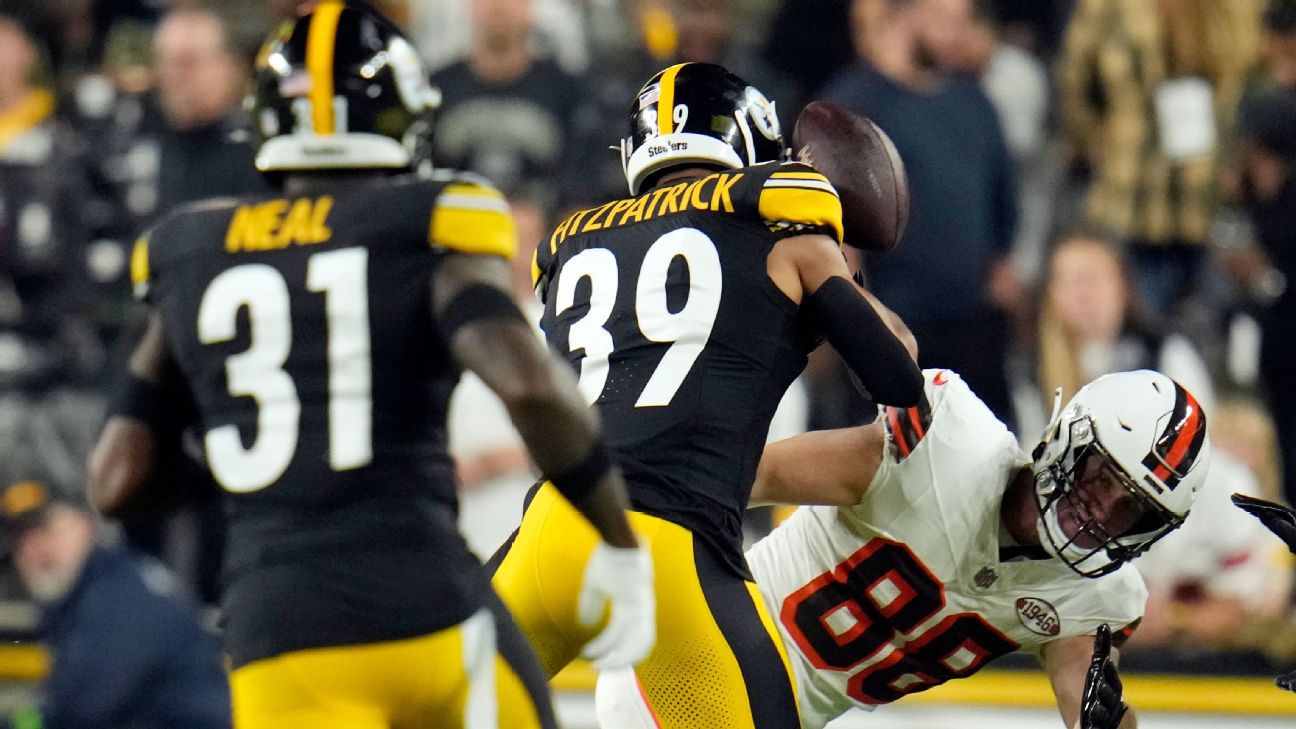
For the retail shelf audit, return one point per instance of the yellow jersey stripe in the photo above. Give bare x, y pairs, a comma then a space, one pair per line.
773, 633
798, 176
802, 206
666, 100
319, 63
473, 202
803, 184
470, 218
536, 273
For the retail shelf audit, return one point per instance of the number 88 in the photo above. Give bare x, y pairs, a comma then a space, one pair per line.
849, 615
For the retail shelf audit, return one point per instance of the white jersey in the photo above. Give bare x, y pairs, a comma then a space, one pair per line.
909, 588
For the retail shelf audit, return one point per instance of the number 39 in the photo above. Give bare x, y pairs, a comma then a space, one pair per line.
687, 330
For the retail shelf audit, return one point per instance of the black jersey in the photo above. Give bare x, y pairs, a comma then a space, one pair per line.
302, 326
663, 305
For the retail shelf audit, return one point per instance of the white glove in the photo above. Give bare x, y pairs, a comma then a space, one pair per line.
624, 578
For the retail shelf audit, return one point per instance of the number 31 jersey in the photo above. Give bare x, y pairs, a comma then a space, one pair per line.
682, 342
911, 587
302, 325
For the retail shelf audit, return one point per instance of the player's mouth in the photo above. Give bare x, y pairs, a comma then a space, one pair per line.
1078, 524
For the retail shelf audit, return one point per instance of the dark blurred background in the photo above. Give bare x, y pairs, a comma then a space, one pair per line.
1097, 185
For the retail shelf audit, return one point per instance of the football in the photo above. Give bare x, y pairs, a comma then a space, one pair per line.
861, 162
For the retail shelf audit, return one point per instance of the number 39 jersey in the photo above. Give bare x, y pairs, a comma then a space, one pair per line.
682, 342
909, 588
302, 326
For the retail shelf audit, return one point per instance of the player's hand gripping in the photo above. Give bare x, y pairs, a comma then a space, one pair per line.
1101, 704
1281, 520
623, 579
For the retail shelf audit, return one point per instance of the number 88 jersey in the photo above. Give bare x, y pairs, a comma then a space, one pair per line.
914, 586
662, 304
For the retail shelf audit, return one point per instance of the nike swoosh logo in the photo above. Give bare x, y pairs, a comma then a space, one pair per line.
939, 379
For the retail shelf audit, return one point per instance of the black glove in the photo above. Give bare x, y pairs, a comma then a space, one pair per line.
1280, 520
1101, 705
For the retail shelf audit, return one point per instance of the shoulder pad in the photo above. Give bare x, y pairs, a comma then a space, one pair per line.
164, 237
471, 216
797, 198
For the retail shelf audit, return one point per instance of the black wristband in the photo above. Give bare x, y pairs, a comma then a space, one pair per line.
577, 482
476, 303
140, 399
857, 332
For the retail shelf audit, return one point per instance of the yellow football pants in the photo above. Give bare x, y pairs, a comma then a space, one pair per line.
718, 662
475, 675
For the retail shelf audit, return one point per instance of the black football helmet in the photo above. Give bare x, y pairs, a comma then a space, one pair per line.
341, 88
698, 114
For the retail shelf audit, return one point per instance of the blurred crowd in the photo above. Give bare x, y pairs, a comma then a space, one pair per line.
1096, 185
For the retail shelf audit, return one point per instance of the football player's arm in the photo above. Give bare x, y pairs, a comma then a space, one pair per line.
145, 421
540, 394
811, 270
1067, 662
893, 322
488, 334
833, 467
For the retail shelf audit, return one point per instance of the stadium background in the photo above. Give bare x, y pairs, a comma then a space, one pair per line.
132, 117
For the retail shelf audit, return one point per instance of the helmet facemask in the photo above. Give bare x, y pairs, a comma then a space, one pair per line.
1093, 516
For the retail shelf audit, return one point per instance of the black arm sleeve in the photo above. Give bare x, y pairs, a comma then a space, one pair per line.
854, 328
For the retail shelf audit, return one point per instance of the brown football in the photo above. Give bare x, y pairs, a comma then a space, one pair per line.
859, 160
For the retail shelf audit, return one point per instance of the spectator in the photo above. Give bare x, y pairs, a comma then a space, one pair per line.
708, 33
562, 29
1267, 153
1035, 26
201, 82
1146, 88
1014, 80
1222, 571
950, 279
1280, 42
127, 648
1091, 325
810, 47
507, 113
1266, 161
118, 115
1017, 83
49, 356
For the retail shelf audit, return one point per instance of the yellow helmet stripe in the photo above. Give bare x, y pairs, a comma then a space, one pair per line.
666, 100
319, 63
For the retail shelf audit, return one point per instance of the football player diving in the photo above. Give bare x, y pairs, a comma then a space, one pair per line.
687, 309
938, 545
318, 334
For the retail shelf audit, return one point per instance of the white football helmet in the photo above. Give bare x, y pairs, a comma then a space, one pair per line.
1148, 432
